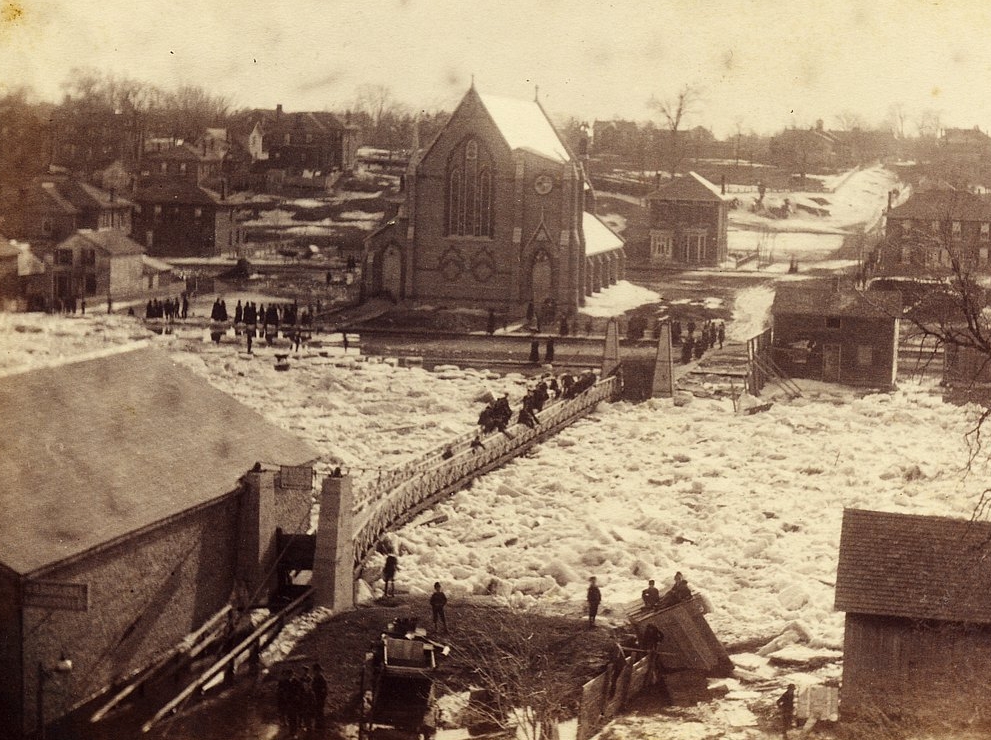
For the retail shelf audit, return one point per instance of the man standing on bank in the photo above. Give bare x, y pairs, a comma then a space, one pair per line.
437, 602
594, 597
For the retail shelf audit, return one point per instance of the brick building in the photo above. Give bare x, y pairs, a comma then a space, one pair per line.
932, 228
494, 216
175, 218
136, 521
688, 222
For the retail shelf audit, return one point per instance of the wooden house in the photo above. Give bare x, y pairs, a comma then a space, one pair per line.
836, 334
918, 618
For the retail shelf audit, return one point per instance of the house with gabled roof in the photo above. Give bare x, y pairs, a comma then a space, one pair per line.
494, 216
925, 234
129, 519
49, 208
824, 330
917, 639
95, 264
689, 218
177, 218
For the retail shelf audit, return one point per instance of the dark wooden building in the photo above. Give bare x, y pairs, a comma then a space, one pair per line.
494, 216
822, 331
918, 617
135, 521
175, 218
688, 223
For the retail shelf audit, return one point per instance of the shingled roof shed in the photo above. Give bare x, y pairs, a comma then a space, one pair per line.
918, 610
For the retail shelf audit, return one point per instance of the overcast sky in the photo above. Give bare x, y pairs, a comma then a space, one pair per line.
766, 65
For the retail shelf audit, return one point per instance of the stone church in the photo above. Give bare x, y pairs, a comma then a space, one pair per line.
496, 214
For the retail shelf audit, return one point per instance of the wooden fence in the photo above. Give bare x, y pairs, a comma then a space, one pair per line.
394, 498
605, 695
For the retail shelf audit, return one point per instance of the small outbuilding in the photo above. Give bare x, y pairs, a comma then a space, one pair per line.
918, 618
133, 511
824, 331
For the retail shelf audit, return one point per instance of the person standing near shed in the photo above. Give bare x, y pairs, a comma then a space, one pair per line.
437, 603
594, 598
786, 706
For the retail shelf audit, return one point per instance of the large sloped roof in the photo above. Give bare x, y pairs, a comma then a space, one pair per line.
688, 187
944, 205
99, 448
819, 300
524, 125
918, 567
109, 241
599, 238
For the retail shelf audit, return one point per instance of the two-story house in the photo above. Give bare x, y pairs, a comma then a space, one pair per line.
494, 216
49, 208
177, 218
688, 223
934, 228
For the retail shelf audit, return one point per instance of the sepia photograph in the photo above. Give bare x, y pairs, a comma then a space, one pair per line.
446, 369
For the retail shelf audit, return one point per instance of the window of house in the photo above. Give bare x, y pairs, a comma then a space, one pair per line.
89, 256
163, 168
286, 139
865, 355
158, 210
90, 284
661, 244
984, 254
469, 192
198, 212
63, 256
955, 228
47, 226
985, 232
182, 168
907, 225
833, 322
935, 227
309, 138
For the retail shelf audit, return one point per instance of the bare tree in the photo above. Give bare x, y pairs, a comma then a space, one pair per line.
897, 119
848, 120
674, 111
514, 666
929, 123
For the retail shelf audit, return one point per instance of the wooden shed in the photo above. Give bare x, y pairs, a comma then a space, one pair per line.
823, 331
918, 615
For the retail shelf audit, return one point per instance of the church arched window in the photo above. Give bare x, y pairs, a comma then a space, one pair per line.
469, 191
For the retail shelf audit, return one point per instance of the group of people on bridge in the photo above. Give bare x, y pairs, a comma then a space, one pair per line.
499, 413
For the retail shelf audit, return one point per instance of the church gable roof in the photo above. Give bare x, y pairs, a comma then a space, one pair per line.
525, 126
599, 238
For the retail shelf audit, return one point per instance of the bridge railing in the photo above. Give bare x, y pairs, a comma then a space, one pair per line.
423, 483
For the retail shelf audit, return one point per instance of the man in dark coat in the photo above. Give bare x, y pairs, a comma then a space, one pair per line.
786, 705
650, 595
389, 574
437, 603
594, 598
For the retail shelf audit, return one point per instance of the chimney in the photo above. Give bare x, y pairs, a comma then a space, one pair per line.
722, 185
278, 111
